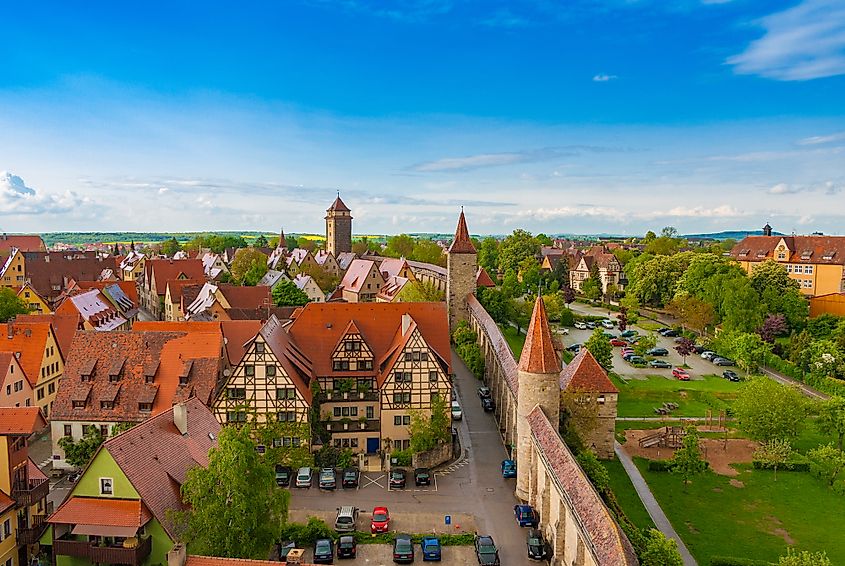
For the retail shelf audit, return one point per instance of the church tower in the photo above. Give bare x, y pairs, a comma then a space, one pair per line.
461, 267
338, 228
539, 384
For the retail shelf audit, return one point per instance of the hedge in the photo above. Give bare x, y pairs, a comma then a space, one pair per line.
733, 561
660, 465
796, 464
463, 539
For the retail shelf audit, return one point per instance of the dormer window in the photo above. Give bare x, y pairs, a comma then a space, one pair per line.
106, 404
743, 253
78, 404
828, 255
806, 254
145, 407
762, 253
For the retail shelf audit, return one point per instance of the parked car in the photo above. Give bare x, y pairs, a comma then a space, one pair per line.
508, 469
488, 404
608, 335
526, 516
662, 364
574, 347
658, 352
591, 325
283, 475
723, 361
323, 551
380, 523
708, 355
347, 547
346, 518
607, 323
581, 325
669, 332
486, 551
628, 333
618, 342
564, 331
457, 413
698, 348
350, 477
632, 339
397, 478
304, 477
328, 478
679, 339
430, 549
681, 374
422, 476
536, 545
628, 355
403, 549
484, 392
636, 360
730, 375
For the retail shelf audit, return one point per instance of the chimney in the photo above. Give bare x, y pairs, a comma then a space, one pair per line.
177, 555
406, 323
180, 418
10, 330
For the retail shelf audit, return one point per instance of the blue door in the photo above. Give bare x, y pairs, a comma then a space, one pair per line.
372, 445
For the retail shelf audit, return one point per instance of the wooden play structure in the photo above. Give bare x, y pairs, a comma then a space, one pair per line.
666, 437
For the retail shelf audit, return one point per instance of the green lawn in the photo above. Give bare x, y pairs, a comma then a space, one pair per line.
650, 326
626, 495
515, 341
638, 398
754, 521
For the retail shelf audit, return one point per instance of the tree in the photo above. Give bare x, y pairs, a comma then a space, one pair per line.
324, 280
511, 286
430, 429
775, 453
804, 558
829, 462
420, 292
488, 255
80, 452
687, 461
578, 417
622, 319
599, 346
401, 245
11, 305
248, 267
591, 288
660, 551
747, 349
515, 248
821, 358
767, 410
831, 419
427, 251
519, 313
235, 508
568, 295
287, 294
495, 303
685, 347
260, 242
773, 326
170, 247
645, 343
693, 312
554, 306
529, 273
595, 470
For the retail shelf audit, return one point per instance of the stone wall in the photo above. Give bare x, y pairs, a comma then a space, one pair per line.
432, 458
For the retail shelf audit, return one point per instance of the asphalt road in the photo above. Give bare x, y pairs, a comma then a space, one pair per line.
474, 486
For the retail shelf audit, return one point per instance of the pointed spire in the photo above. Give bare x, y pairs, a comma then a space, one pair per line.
538, 353
283, 243
462, 243
338, 205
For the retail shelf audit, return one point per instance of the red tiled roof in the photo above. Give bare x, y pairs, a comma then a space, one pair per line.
164, 270
392, 266
236, 334
338, 205
34, 471
246, 297
538, 353
49, 272
482, 279
156, 458
261, 314
23, 242
30, 339
358, 274
21, 420
462, 244
103, 511
803, 249
6, 502
497, 340
294, 361
177, 285
64, 327
605, 538
586, 374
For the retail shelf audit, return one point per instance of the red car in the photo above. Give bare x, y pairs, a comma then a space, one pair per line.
617, 342
381, 520
681, 374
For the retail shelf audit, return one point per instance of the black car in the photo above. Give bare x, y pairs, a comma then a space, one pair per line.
350, 477
574, 347
323, 551
658, 352
484, 392
730, 375
488, 404
422, 476
698, 348
486, 551
283, 475
397, 478
346, 547
669, 332
536, 545
403, 549
723, 361
659, 364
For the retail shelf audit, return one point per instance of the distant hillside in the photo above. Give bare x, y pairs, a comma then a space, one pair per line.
730, 234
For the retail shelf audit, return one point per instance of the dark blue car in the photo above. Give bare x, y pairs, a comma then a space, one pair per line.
526, 516
508, 469
430, 549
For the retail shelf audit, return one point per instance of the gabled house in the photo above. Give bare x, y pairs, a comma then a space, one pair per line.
214, 300
344, 260
22, 242
119, 511
36, 347
179, 294
361, 282
15, 389
391, 289
327, 261
132, 266
158, 272
122, 295
393, 267
35, 302
610, 270
273, 278
213, 266
94, 310
296, 260
307, 285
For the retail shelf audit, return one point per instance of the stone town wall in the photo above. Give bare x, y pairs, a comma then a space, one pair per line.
432, 458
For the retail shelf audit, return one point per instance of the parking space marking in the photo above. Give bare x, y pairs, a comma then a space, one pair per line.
371, 481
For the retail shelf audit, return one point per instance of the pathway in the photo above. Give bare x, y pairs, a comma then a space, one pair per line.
651, 505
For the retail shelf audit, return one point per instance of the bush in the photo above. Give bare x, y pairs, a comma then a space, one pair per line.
660, 465
470, 353
567, 317
306, 534
732, 561
796, 463
463, 539
403, 457
463, 334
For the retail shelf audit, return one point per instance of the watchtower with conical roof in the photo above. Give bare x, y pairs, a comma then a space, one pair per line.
461, 267
539, 384
338, 228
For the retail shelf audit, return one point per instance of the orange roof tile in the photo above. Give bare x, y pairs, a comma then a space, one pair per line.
462, 244
23, 242
30, 339
64, 326
6, 502
586, 374
538, 353
482, 278
21, 420
177, 285
246, 297
802, 249
338, 205
236, 334
296, 364
164, 270
101, 511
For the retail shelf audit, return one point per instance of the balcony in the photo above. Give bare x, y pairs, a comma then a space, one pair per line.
103, 554
334, 396
30, 493
31, 534
353, 425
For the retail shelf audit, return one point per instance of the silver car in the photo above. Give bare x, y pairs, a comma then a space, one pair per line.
457, 413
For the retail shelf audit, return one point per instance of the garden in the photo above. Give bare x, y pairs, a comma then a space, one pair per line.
640, 397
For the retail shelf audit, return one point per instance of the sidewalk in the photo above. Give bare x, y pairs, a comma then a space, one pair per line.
651, 505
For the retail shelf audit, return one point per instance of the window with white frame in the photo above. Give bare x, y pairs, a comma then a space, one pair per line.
106, 486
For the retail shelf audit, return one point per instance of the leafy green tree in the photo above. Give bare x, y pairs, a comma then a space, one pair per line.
287, 294
598, 474
305, 243
544, 240
693, 312
400, 245
660, 551
767, 410
235, 508
170, 247
519, 313
11, 305
488, 255
645, 343
822, 358
260, 242
747, 349
804, 558
511, 287
248, 264
430, 429
687, 461
420, 292
464, 334
829, 462
515, 248
831, 419
324, 280
554, 306
591, 288
80, 452
269, 432
599, 346
495, 303
775, 453
427, 251
654, 278
740, 307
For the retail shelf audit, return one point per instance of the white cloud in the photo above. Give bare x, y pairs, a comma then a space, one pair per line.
603, 78
802, 43
817, 140
163, 190
723, 211
469, 162
17, 198
826, 187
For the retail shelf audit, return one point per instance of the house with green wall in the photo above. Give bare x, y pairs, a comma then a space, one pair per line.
117, 513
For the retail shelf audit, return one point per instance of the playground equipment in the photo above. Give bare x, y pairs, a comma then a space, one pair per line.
666, 437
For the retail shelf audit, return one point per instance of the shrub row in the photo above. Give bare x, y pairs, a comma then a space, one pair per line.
797, 463
463, 539
666, 465
317, 528
471, 355
733, 561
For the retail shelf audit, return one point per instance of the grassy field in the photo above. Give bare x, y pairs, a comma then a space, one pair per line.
638, 398
650, 326
515, 341
626, 495
756, 518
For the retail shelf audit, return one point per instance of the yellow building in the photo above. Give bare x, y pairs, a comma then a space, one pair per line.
36, 347
815, 262
35, 302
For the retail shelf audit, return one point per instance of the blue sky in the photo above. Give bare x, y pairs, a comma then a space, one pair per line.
556, 116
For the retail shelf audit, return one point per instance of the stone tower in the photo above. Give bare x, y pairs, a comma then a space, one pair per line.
283, 242
461, 267
539, 384
338, 228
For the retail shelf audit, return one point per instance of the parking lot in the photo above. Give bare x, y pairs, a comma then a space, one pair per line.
382, 555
